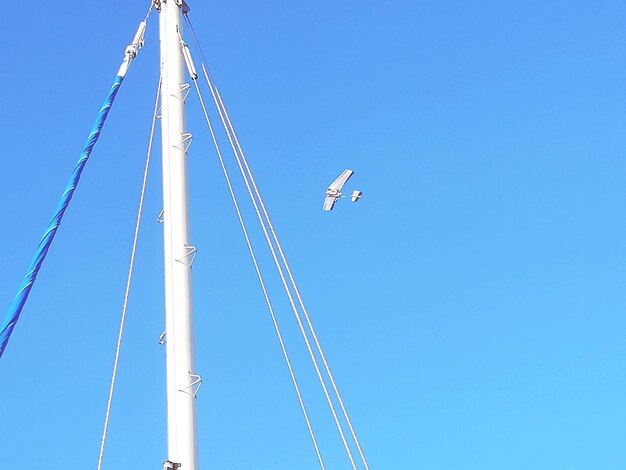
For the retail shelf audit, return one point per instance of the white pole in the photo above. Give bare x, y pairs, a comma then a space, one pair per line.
178, 253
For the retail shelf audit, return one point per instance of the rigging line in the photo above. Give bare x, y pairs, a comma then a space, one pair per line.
260, 277
275, 236
148, 13
207, 75
339, 427
128, 280
270, 245
292, 279
281, 273
293, 282
335, 388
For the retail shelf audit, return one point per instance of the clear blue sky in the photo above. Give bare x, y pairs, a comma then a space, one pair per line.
471, 305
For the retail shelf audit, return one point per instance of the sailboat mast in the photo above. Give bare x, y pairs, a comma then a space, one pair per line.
182, 383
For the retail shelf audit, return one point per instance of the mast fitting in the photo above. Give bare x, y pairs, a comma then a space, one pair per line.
137, 42
188, 60
194, 385
132, 49
184, 5
185, 142
182, 92
190, 252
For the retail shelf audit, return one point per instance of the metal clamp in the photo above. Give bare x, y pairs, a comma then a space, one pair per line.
191, 251
169, 465
185, 142
194, 386
182, 92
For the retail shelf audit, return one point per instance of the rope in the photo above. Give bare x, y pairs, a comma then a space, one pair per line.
128, 281
231, 133
280, 271
293, 283
230, 130
260, 277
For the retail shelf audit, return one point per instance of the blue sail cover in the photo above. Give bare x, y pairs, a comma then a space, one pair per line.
13, 315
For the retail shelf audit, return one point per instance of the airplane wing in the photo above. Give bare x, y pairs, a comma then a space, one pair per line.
341, 180
329, 202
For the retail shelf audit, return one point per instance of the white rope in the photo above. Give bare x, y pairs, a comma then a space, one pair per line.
260, 277
149, 11
229, 128
293, 282
128, 282
281, 273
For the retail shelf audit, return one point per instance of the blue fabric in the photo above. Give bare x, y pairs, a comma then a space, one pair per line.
12, 316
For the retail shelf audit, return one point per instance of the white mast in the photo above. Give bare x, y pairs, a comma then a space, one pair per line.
182, 383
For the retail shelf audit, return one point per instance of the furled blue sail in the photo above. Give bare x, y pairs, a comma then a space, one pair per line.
13, 315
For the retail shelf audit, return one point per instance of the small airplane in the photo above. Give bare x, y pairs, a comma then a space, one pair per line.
333, 193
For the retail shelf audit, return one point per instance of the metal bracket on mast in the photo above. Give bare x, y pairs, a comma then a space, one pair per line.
194, 386
183, 92
191, 68
137, 42
161, 216
169, 465
163, 338
185, 142
180, 3
191, 251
